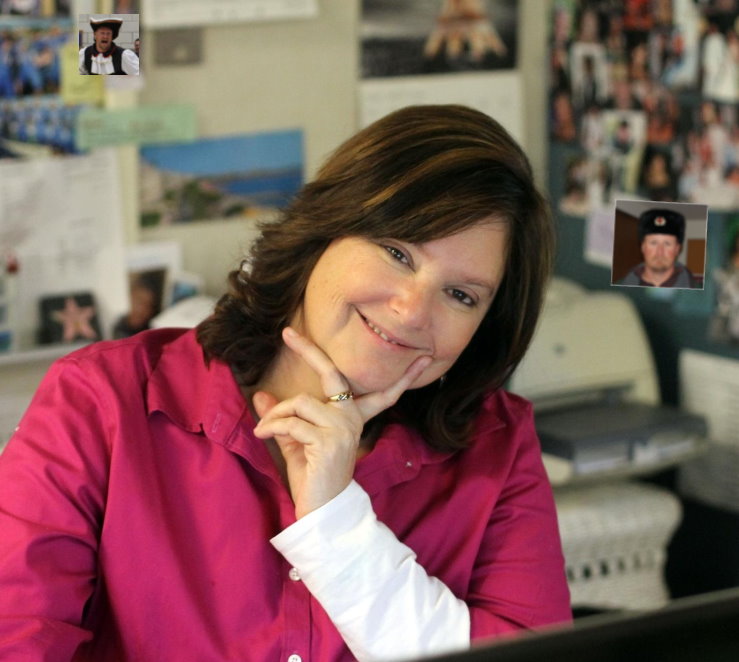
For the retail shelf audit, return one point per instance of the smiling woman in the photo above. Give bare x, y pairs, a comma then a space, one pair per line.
325, 469
418, 175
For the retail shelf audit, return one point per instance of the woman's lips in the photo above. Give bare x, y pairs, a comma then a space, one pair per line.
384, 335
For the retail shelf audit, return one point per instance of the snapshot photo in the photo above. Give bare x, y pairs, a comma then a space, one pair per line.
109, 44
437, 36
659, 244
248, 175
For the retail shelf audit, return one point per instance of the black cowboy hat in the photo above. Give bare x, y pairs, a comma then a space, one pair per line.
113, 23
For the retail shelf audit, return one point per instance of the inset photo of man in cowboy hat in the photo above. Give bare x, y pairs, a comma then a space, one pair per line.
659, 244
107, 43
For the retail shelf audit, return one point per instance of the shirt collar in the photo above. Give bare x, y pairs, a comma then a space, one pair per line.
676, 271
401, 452
194, 395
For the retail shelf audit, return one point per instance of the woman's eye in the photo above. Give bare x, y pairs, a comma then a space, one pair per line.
463, 297
397, 254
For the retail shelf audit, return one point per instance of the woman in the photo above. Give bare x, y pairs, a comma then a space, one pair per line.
326, 468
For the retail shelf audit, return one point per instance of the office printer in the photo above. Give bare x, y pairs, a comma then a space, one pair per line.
591, 377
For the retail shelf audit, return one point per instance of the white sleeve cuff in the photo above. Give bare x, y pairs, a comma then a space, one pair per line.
383, 603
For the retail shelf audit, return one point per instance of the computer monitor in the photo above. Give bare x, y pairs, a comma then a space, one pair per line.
701, 628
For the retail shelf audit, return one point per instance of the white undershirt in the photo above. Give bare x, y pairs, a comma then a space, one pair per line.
382, 602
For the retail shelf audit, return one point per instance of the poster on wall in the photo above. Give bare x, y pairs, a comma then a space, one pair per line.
440, 51
66, 245
247, 176
33, 118
644, 101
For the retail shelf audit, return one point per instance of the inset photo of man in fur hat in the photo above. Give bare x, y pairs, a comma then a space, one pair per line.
107, 45
659, 244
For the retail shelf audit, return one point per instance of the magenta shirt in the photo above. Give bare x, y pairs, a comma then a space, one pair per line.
136, 508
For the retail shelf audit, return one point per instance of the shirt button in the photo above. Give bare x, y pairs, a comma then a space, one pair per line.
294, 658
295, 576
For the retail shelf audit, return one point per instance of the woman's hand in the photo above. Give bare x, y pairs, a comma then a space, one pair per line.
319, 439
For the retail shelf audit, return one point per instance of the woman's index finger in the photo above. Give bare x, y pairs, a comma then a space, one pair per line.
332, 381
372, 404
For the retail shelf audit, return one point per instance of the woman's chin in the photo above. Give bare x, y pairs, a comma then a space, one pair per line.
374, 382
361, 384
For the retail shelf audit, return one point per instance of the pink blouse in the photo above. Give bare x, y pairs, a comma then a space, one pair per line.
137, 508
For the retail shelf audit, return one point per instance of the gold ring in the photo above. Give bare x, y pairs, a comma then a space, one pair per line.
340, 397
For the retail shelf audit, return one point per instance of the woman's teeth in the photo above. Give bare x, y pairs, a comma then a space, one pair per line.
380, 333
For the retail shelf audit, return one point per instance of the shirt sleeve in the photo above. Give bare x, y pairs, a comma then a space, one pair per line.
381, 600
83, 70
130, 62
52, 481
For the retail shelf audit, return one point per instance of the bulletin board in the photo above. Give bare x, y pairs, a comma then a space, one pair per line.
644, 105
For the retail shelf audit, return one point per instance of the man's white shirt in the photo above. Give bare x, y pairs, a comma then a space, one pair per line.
103, 64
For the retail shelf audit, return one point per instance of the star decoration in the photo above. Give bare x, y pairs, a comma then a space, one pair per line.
75, 320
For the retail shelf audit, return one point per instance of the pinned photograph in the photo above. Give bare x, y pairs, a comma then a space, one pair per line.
109, 45
146, 296
422, 37
725, 321
29, 56
244, 176
659, 244
126, 6
35, 8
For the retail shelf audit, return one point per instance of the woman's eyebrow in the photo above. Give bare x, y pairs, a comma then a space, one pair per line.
477, 282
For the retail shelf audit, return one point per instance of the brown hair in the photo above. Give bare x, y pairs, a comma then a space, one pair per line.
418, 174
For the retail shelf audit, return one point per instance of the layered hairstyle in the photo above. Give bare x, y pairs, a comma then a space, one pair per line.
418, 174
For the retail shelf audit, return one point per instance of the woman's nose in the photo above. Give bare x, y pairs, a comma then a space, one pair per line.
412, 304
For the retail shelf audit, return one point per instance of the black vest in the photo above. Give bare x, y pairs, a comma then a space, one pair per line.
116, 54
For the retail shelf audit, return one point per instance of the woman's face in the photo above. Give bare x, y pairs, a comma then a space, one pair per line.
374, 306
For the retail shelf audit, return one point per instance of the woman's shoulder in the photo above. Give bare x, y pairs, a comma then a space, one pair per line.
505, 421
505, 408
134, 357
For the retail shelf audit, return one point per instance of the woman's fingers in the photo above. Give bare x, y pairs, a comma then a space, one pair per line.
308, 409
372, 404
332, 381
290, 426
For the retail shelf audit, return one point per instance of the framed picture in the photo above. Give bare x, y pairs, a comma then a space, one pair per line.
146, 296
152, 269
68, 318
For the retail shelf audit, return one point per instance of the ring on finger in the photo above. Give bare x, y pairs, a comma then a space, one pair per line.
340, 397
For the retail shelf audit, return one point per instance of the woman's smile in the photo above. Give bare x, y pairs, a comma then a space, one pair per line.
387, 337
